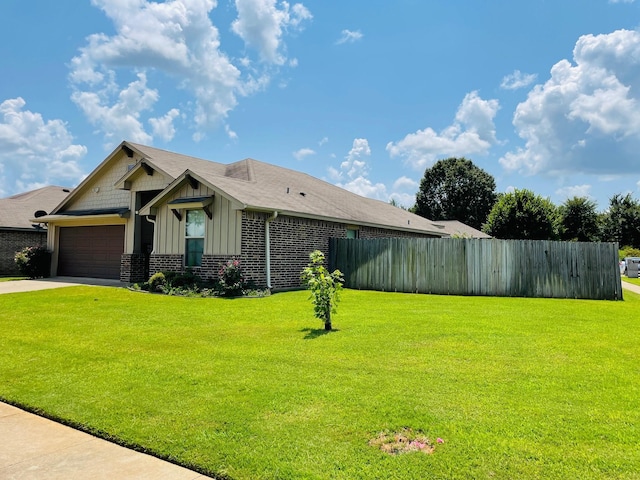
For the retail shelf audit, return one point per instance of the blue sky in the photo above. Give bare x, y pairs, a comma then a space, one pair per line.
542, 94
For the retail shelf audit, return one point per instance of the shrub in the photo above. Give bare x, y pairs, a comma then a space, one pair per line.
157, 282
628, 251
186, 279
232, 282
174, 282
34, 262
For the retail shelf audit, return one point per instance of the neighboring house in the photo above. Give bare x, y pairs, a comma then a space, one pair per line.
16, 230
144, 210
462, 230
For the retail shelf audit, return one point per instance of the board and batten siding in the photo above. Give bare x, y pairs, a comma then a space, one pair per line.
461, 266
222, 232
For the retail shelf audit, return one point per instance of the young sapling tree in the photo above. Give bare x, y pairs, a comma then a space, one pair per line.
325, 287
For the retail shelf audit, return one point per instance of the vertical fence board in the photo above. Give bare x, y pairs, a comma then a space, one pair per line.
463, 266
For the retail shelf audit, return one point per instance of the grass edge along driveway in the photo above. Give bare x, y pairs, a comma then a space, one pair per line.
252, 388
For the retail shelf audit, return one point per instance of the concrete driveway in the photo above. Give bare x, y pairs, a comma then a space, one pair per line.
34, 448
55, 282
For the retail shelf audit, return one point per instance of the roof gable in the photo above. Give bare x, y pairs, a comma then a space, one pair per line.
102, 177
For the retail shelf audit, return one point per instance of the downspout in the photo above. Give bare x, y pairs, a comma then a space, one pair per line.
153, 221
267, 246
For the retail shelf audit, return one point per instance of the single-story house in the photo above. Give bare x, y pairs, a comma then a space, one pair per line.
16, 229
144, 210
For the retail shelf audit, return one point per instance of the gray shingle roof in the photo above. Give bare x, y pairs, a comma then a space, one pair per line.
15, 211
456, 228
262, 186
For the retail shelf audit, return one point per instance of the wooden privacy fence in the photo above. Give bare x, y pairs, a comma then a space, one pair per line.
463, 266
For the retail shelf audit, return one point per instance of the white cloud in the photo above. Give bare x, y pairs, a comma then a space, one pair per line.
122, 119
574, 191
349, 36
355, 164
405, 183
366, 188
174, 40
586, 117
406, 200
260, 24
354, 171
353, 175
303, 153
517, 80
163, 126
323, 141
472, 133
34, 151
230, 133
404, 191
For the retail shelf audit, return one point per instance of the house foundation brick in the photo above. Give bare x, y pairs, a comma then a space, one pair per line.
133, 268
165, 263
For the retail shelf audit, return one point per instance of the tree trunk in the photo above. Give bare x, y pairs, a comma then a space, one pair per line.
327, 322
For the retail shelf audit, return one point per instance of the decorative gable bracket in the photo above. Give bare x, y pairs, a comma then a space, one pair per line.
193, 183
147, 168
190, 203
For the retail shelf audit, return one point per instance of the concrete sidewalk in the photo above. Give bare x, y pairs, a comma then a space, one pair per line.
631, 287
35, 448
16, 286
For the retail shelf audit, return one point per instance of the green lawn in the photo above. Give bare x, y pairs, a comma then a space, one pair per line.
10, 279
635, 281
253, 388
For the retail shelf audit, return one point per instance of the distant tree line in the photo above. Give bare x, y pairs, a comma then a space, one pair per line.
456, 189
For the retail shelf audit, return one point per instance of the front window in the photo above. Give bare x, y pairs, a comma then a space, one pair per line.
194, 234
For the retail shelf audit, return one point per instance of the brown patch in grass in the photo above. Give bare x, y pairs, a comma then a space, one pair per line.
403, 441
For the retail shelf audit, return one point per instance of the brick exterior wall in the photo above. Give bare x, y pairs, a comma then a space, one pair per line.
165, 263
371, 233
12, 241
253, 259
133, 268
292, 240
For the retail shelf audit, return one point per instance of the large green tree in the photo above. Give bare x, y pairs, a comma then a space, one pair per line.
456, 189
522, 214
579, 220
622, 221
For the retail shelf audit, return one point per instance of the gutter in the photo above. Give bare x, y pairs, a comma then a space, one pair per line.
267, 246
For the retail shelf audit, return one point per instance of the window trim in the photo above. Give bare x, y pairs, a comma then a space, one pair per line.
356, 233
188, 238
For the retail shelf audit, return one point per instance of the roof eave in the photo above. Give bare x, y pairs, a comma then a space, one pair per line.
33, 228
61, 218
345, 221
